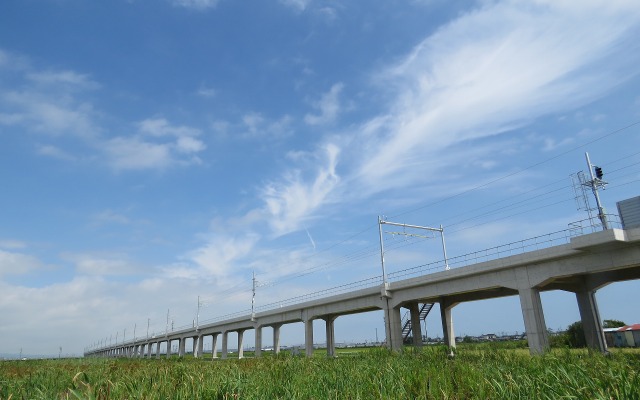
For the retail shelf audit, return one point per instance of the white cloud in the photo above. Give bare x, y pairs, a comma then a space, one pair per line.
12, 244
134, 153
54, 152
70, 79
101, 265
162, 127
328, 106
551, 144
291, 202
298, 5
206, 92
196, 4
110, 217
158, 145
12, 263
220, 256
253, 121
189, 145
51, 102
46, 101
490, 71
257, 126
50, 113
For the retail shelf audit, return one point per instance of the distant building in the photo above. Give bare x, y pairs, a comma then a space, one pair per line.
610, 336
627, 336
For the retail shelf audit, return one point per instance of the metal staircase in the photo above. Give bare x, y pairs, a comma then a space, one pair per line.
406, 319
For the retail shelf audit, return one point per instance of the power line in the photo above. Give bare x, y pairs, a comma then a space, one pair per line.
611, 133
369, 251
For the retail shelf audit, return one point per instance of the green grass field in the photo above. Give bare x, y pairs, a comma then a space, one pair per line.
476, 372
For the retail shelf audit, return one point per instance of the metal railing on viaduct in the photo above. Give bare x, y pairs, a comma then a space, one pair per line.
557, 261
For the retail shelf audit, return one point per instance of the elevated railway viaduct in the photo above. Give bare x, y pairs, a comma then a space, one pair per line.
582, 266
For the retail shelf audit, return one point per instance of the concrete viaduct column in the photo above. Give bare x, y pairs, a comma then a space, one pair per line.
393, 328
308, 337
447, 323
258, 344
276, 338
240, 341
331, 340
534, 320
158, 349
225, 336
168, 348
416, 327
194, 346
214, 345
181, 346
590, 317
199, 349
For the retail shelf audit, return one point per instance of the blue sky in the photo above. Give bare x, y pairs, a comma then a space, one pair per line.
157, 151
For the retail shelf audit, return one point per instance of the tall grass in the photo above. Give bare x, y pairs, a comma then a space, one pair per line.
475, 373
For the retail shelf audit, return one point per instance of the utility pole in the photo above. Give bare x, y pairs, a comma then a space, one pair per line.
255, 285
166, 332
384, 272
253, 298
148, 322
594, 184
198, 315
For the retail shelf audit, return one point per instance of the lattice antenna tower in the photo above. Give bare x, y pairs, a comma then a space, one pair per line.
581, 186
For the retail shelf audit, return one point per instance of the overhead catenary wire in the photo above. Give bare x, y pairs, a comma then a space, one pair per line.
354, 256
483, 185
371, 251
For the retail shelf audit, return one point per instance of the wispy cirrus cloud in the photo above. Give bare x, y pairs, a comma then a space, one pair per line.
328, 107
488, 72
294, 199
494, 69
